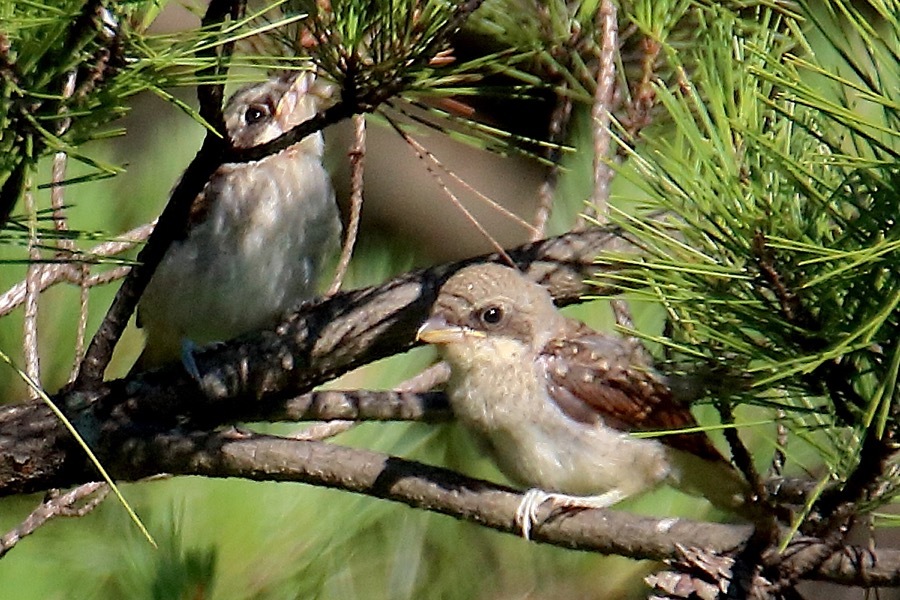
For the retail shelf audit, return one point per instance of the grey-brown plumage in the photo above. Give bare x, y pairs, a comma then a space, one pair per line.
555, 401
259, 233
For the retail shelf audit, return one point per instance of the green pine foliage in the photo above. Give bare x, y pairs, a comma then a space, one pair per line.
774, 149
781, 175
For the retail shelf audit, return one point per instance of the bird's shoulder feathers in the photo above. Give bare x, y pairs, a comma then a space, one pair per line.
594, 377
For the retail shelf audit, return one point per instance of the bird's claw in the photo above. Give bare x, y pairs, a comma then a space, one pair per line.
187, 359
188, 349
527, 512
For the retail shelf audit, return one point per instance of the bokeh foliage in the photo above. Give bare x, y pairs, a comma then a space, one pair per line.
775, 143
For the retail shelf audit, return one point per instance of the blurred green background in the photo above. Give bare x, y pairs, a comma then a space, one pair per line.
238, 539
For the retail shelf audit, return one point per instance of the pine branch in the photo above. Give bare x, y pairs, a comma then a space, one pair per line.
251, 378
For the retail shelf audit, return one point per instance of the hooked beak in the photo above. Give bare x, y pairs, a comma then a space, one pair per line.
436, 330
304, 84
295, 93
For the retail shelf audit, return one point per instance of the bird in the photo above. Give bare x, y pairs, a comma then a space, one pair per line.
555, 402
259, 234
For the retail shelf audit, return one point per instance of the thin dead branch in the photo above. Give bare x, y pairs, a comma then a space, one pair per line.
75, 503
53, 273
357, 156
601, 110
32, 294
558, 129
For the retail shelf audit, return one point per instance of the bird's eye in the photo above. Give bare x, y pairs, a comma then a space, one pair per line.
491, 315
255, 113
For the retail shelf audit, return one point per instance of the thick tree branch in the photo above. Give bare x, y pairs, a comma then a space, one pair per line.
137, 425
258, 376
269, 458
233, 453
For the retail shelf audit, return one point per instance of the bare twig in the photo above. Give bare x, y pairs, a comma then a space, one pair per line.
56, 506
601, 111
403, 400
601, 117
423, 155
52, 273
559, 125
779, 456
60, 222
427, 379
357, 170
106, 277
58, 175
424, 381
30, 332
324, 431
81, 328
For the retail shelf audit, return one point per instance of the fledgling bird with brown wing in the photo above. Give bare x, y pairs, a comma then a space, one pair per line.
554, 401
259, 234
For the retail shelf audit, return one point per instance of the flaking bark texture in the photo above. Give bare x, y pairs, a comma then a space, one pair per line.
259, 376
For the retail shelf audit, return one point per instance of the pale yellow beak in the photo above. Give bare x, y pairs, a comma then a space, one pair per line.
291, 98
303, 86
436, 330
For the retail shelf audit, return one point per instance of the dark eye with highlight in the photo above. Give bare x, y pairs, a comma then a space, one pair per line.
491, 315
255, 113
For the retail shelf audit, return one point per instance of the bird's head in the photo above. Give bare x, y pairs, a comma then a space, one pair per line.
489, 308
261, 112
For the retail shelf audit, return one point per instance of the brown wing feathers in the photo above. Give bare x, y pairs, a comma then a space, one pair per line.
598, 377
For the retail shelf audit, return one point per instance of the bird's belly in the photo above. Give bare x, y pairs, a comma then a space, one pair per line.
243, 268
536, 444
581, 460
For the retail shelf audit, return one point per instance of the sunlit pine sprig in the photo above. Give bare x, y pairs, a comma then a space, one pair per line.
781, 182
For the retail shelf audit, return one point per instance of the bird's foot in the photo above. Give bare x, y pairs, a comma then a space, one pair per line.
188, 349
527, 517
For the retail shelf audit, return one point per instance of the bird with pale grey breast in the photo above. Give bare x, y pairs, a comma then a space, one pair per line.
259, 234
555, 402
